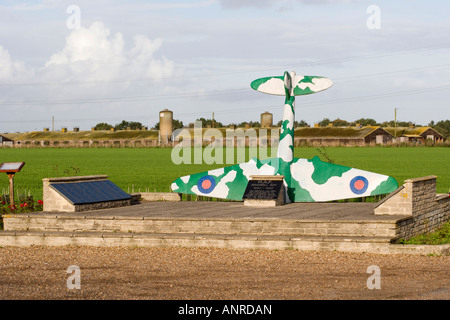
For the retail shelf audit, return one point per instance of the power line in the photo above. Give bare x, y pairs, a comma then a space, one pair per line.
126, 99
294, 64
383, 74
240, 110
198, 94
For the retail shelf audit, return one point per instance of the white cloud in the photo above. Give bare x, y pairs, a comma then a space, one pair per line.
95, 73
8, 68
93, 53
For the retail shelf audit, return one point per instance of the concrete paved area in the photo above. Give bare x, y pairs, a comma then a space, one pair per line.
356, 211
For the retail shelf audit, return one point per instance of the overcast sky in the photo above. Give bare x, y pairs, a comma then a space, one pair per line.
86, 62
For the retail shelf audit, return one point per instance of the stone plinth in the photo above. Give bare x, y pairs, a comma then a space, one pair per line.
267, 194
55, 201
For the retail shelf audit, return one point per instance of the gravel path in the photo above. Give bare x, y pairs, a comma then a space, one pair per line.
220, 274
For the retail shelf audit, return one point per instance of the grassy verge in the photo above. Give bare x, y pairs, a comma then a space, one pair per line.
440, 236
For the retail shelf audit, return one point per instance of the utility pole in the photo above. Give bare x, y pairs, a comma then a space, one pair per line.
395, 122
213, 119
53, 123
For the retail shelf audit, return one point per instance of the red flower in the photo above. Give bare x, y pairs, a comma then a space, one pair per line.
21, 205
40, 202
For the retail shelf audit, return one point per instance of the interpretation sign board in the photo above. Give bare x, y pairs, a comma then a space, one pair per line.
11, 166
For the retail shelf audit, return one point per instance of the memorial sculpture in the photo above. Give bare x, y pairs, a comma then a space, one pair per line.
305, 180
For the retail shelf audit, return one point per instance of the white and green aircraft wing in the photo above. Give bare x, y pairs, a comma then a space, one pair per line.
316, 180
224, 183
311, 180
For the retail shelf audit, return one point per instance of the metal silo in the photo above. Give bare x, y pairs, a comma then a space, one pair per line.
266, 120
165, 125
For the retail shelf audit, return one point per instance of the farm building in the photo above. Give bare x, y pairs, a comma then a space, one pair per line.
336, 136
419, 134
4, 141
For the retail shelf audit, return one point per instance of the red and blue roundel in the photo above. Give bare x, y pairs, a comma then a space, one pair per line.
206, 184
359, 185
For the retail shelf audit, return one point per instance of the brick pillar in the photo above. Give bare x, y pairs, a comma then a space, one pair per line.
415, 197
423, 194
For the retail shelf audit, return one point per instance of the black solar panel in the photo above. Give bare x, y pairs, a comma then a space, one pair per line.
90, 191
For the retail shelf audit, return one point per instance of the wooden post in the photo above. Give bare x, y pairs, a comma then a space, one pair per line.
11, 188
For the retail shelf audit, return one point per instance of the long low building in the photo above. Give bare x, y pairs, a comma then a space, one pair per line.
314, 136
336, 136
416, 134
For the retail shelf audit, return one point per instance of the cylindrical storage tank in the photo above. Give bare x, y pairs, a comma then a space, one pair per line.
165, 125
266, 120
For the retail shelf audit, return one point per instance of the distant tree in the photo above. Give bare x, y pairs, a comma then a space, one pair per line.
254, 124
209, 122
388, 123
339, 123
399, 123
301, 123
325, 122
204, 121
443, 127
404, 123
103, 126
177, 124
367, 122
128, 124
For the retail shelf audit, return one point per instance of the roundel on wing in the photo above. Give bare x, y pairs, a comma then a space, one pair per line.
206, 184
359, 185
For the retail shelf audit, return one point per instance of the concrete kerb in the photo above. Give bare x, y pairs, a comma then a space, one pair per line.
95, 239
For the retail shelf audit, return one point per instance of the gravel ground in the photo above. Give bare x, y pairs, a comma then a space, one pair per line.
219, 274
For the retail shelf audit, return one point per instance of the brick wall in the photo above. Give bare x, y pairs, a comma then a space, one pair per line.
424, 210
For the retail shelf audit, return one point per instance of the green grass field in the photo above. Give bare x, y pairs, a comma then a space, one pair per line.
151, 169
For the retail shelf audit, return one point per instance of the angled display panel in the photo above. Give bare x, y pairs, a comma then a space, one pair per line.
90, 192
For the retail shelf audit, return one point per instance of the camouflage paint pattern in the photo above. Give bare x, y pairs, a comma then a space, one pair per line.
305, 180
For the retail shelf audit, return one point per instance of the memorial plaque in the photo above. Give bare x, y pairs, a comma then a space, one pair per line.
263, 189
90, 191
